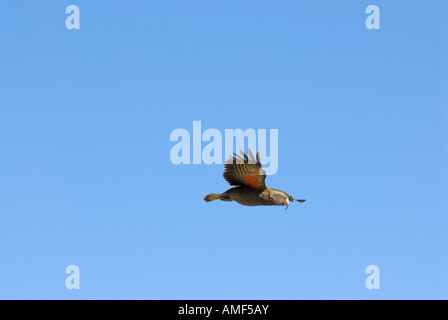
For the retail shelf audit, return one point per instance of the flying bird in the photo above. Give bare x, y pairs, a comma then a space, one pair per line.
246, 174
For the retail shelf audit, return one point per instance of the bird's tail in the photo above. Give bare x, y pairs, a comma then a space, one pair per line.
211, 197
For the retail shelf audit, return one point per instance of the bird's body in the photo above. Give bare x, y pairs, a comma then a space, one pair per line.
248, 178
246, 196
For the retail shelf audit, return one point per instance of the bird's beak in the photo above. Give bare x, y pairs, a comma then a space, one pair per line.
287, 203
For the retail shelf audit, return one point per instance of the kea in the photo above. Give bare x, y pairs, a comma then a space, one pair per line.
245, 173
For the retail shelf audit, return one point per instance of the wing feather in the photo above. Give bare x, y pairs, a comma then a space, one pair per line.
244, 170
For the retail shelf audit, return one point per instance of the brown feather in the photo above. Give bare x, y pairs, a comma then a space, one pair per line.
245, 171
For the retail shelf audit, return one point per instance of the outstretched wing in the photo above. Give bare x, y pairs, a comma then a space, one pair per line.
245, 171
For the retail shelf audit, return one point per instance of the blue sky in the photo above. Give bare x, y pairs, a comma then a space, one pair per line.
85, 171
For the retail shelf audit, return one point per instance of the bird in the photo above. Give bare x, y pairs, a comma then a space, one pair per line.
245, 173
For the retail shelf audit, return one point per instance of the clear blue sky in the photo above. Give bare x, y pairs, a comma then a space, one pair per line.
86, 178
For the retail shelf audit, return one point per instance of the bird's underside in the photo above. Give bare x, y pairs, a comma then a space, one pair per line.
246, 174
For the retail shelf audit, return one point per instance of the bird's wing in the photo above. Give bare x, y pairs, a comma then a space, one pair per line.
245, 171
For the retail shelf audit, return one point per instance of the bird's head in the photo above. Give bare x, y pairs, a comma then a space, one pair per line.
281, 199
